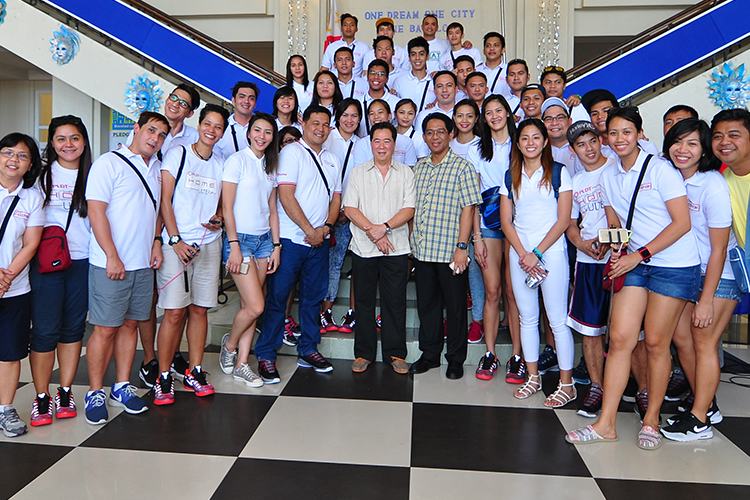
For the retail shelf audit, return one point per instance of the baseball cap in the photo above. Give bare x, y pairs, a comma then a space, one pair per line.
597, 95
384, 20
578, 129
554, 101
534, 86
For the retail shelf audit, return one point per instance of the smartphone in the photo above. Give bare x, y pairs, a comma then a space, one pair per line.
452, 264
614, 236
245, 266
214, 221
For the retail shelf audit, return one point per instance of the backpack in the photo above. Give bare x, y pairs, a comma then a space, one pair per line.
556, 180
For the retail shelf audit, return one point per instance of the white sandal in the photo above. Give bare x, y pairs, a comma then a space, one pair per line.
560, 397
529, 388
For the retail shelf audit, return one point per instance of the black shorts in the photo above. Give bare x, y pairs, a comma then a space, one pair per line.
15, 327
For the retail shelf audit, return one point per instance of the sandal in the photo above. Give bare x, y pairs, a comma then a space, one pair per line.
649, 438
560, 398
587, 435
530, 387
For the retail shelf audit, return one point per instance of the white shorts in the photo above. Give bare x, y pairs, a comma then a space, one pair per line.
202, 278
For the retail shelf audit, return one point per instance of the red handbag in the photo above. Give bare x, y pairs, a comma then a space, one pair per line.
608, 283
53, 254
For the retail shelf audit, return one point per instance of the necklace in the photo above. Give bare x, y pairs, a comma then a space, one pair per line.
195, 150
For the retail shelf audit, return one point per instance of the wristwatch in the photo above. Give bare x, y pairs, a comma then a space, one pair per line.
173, 240
645, 254
159, 239
388, 229
461, 245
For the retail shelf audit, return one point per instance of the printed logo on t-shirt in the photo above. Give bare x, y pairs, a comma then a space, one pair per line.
695, 207
21, 214
646, 186
589, 199
204, 185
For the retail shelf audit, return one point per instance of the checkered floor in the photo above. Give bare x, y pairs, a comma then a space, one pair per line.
372, 435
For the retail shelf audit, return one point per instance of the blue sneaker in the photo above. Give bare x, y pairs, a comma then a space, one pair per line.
128, 399
96, 410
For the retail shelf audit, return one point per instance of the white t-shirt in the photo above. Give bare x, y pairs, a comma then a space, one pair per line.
710, 207
234, 132
578, 113
196, 194
399, 60
297, 168
366, 100
568, 158
338, 146
661, 183
409, 86
185, 137
536, 209
588, 203
491, 173
254, 187
462, 150
28, 213
497, 82
359, 49
304, 94
404, 152
446, 61
130, 211
56, 212
354, 88
438, 47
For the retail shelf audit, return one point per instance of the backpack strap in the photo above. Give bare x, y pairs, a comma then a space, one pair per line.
557, 178
509, 184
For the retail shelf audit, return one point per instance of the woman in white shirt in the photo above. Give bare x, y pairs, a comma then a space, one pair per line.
327, 93
539, 252
59, 300
688, 145
251, 244
298, 78
286, 109
662, 273
21, 206
380, 111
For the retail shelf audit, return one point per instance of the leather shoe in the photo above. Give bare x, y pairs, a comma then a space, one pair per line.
455, 370
422, 365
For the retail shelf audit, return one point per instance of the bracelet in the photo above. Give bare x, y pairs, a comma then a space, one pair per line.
477, 239
277, 245
537, 253
233, 241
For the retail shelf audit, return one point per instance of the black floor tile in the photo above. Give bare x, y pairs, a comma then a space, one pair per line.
626, 489
314, 481
737, 430
24, 462
378, 382
527, 441
220, 424
82, 374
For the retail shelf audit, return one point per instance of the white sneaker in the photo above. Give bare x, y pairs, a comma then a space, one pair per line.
245, 375
227, 359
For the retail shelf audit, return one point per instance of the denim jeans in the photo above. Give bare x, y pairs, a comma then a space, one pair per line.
476, 287
311, 265
336, 260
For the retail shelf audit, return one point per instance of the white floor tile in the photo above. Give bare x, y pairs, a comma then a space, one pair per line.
225, 384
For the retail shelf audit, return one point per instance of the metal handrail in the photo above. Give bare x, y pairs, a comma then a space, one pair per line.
273, 77
643, 37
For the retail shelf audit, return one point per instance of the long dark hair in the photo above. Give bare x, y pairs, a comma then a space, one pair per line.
682, 128
516, 158
271, 153
16, 138
84, 163
486, 151
284, 92
476, 130
290, 77
337, 95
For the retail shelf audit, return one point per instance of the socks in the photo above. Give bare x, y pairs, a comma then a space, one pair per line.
120, 385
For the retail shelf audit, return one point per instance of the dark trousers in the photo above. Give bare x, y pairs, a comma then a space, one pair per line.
393, 274
437, 286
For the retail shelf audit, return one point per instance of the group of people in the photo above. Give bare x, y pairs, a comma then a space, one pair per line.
426, 161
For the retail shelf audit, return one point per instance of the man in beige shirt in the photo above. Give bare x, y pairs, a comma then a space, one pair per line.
379, 201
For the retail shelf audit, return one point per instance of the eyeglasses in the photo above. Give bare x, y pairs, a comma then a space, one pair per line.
432, 133
8, 154
377, 73
182, 102
558, 118
287, 142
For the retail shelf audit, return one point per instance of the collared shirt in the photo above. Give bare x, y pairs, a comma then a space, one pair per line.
337, 145
400, 59
187, 136
379, 199
130, 211
304, 94
739, 191
568, 158
446, 60
57, 210
403, 153
497, 82
359, 48
233, 140
424, 114
442, 192
366, 100
354, 88
409, 86
27, 213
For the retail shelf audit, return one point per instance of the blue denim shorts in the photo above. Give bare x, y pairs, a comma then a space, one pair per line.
258, 247
727, 289
678, 282
493, 234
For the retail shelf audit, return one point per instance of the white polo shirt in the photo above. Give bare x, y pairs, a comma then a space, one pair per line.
130, 211
196, 194
56, 212
355, 88
27, 213
233, 140
304, 94
568, 158
438, 47
446, 61
491, 173
409, 86
588, 203
366, 100
710, 208
462, 150
497, 82
648, 146
280, 125
661, 183
578, 113
359, 49
536, 209
297, 168
338, 146
427, 112
254, 187
185, 137
399, 60
404, 152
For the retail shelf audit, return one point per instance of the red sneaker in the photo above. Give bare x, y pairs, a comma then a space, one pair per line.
476, 332
41, 411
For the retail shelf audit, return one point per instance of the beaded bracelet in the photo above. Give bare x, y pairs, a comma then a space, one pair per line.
537, 253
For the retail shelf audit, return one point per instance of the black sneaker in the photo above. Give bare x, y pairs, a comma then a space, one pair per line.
289, 338
592, 403
713, 415
688, 429
548, 360
315, 361
581, 373
641, 405
149, 373
179, 367
347, 322
293, 326
678, 386
631, 391
267, 371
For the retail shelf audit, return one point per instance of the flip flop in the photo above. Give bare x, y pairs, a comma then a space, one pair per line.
649, 438
587, 435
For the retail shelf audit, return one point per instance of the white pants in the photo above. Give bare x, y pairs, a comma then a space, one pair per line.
555, 294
